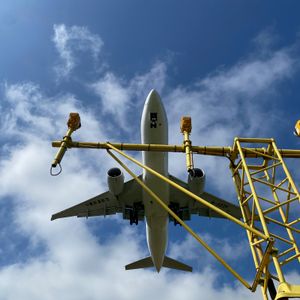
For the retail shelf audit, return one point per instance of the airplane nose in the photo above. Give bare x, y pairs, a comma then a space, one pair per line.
153, 98
154, 122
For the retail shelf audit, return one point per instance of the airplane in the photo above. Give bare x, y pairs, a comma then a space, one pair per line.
136, 205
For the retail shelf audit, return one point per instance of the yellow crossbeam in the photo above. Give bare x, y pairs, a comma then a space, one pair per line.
204, 150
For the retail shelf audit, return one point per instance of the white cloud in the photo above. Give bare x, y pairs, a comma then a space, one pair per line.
237, 101
31, 114
119, 97
266, 40
68, 40
250, 78
114, 95
233, 99
190, 249
155, 78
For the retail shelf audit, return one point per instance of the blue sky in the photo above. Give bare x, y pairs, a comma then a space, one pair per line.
233, 66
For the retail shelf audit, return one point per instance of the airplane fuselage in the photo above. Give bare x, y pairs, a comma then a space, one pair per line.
154, 130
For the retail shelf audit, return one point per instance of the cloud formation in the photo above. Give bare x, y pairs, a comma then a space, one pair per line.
233, 101
68, 40
119, 97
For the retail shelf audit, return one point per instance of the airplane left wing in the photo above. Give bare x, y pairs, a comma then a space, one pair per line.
185, 205
107, 204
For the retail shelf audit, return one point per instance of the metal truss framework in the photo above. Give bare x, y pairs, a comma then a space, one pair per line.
267, 195
269, 201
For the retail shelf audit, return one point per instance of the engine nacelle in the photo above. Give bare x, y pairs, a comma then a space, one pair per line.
196, 181
115, 181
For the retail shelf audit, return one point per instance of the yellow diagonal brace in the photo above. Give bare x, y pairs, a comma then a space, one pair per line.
272, 185
264, 262
182, 223
275, 207
257, 204
265, 168
282, 224
286, 170
261, 154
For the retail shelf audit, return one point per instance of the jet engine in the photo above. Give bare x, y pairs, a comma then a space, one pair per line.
115, 181
196, 181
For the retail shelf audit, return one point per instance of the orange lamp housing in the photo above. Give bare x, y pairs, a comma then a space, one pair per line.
186, 124
74, 121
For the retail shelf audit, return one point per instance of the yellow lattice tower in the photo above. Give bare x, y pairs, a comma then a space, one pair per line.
269, 201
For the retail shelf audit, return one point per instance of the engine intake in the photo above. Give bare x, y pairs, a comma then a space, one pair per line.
115, 181
196, 181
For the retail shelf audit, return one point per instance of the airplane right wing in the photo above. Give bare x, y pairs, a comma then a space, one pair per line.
186, 205
129, 201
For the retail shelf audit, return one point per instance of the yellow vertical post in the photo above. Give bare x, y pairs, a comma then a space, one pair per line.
254, 195
73, 124
186, 128
256, 250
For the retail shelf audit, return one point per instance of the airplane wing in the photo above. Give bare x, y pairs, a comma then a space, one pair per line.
186, 205
108, 204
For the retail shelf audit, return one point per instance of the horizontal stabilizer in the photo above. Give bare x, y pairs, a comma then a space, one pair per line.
174, 264
168, 263
140, 264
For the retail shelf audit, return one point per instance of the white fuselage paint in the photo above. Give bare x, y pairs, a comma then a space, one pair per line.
154, 130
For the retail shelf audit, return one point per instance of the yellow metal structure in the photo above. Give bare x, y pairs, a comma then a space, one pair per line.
297, 128
73, 124
267, 195
186, 128
269, 201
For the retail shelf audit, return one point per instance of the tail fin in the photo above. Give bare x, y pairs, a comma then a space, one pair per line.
174, 264
140, 264
168, 263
